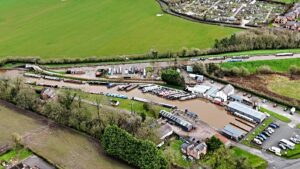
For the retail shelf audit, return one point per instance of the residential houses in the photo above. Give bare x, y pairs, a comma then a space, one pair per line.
194, 149
290, 20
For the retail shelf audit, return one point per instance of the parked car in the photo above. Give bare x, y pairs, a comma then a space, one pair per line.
260, 138
270, 129
282, 146
212, 82
297, 136
264, 101
257, 141
277, 125
263, 136
294, 140
275, 105
275, 150
266, 133
285, 109
244, 94
250, 95
274, 126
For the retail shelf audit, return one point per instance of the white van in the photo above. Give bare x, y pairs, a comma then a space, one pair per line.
288, 144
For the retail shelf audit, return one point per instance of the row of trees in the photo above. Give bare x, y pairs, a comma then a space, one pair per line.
140, 153
258, 40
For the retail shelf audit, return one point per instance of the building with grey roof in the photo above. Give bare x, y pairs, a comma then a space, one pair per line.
240, 109
233, 132
185, 125
211, 93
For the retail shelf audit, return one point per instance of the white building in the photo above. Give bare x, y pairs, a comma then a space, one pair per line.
224, 92
198, 89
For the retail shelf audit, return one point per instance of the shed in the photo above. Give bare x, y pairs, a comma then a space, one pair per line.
233, 132
239, 108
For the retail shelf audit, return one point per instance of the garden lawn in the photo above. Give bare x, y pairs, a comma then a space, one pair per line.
173, 152
281, 65
255, 161
275, 115
75, 29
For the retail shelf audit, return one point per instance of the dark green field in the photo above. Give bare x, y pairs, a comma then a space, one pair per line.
76, 28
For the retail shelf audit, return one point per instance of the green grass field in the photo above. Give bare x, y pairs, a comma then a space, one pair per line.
285, 87
72, 28
275, 115
281, 65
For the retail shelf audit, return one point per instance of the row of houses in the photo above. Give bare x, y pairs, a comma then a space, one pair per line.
290, 19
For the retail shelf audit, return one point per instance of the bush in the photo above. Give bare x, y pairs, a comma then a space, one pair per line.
213, 144
265, 69
294, 70
142, 154
172, 77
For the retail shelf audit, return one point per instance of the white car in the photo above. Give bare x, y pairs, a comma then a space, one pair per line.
257, 141
270, 129
282, 146
294, 140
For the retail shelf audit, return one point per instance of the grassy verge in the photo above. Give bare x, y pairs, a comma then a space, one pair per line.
247, 140
281, 65
275, 115
293, 154
255, 161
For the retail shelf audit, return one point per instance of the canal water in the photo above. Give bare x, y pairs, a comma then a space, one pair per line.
214, 115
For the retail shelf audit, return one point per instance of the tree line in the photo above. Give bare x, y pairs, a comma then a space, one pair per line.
140, 153
258, 40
